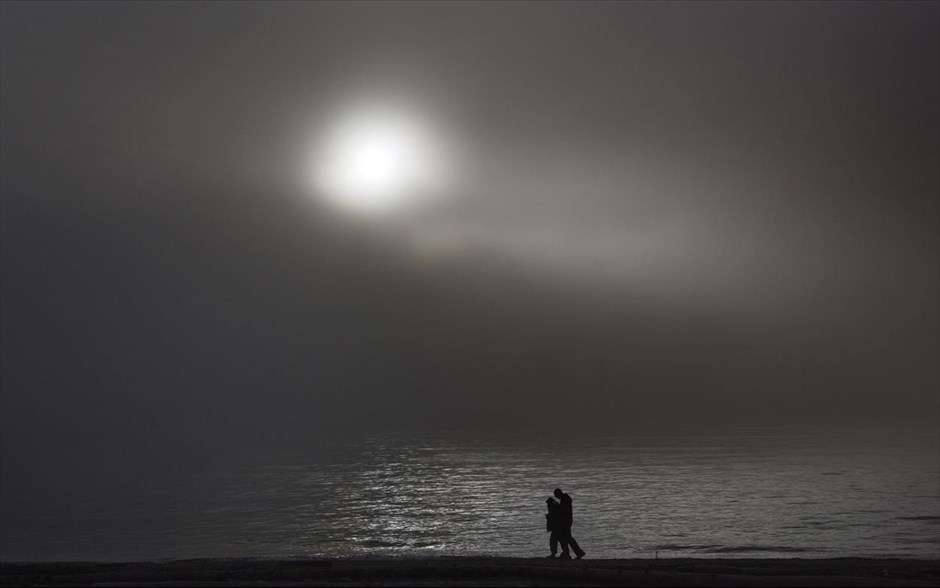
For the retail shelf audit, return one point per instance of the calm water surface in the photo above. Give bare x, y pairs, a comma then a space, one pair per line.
778, 494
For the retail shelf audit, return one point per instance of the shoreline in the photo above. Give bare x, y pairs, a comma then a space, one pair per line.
479, 571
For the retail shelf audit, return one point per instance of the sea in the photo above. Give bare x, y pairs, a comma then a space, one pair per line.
727, 494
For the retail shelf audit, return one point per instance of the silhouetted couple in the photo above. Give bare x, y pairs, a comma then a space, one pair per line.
558, 520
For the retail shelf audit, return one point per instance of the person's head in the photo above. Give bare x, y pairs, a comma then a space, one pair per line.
558, 493
550, 502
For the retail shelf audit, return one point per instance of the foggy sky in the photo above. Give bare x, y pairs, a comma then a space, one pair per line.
670, 212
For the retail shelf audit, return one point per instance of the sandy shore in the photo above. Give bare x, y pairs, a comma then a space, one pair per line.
479, 571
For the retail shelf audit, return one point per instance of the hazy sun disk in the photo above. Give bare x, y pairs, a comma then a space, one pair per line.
378, 163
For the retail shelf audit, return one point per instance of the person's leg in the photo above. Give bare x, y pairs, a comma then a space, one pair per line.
553, 543
574, 545
563, 535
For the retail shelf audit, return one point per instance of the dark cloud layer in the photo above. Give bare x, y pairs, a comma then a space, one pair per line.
760, 182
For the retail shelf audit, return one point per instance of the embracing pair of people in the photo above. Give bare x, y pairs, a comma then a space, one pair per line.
558, 520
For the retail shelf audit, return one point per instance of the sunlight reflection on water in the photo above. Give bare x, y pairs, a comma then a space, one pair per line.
760, 496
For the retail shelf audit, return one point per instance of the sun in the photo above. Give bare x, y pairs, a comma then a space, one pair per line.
376, 163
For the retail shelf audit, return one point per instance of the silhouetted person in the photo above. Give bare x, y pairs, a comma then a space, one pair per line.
564, 528
553, 523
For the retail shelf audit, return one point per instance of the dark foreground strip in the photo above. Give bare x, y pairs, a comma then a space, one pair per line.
472, 571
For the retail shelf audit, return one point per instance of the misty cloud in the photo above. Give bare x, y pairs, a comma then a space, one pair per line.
738, 222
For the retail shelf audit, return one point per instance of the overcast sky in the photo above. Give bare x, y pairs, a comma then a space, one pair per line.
667, 212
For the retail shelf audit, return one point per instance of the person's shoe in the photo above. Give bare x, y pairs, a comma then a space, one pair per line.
552, 556
564, 556
580, 555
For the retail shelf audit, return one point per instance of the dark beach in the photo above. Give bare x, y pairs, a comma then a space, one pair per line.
479, 571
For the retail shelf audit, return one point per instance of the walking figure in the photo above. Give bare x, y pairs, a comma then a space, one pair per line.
563, 527
553, 524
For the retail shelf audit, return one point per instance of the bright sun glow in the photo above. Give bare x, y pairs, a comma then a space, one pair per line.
377, 163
